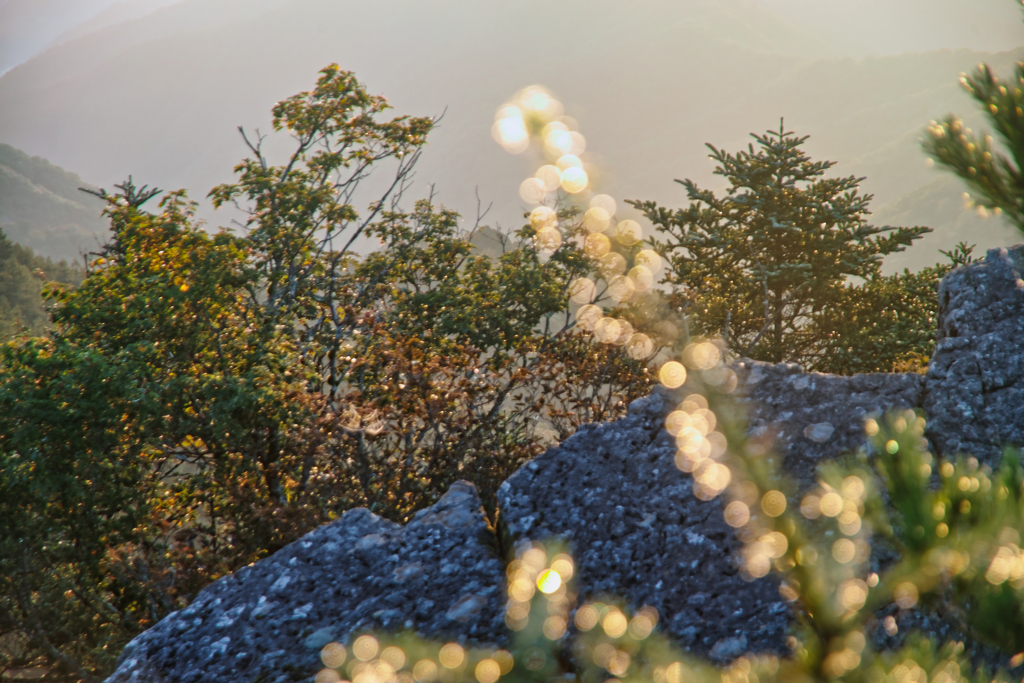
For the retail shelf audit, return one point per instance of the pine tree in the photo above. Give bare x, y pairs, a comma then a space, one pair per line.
762, 264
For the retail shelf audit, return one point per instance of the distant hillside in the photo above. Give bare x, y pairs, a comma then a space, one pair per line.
42, 208
23, 276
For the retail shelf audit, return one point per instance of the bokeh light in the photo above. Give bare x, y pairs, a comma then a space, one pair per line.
554, 627
737, 513
614, 623
543, 217
607, 330
843, 550
625, 332
650, 259
509, 130
852, 594
578, 143
677, 420
605, 202
451, 656
905, 595
532, 191
582, 290
549, 581
628, 232
1007, 565
327, 676
537, 100
548, 240
702, 355
620, 288
642, 277
333, 655
487, 671
394, 656
596, 219
557, 141
550, 176
563, 564
365, 647
588, 316
831, 504
672, 374
773, 503
567, 161
587, 617
425, 671
574, 180
710, 479
643, 622
597, 246
612, 264
639, 346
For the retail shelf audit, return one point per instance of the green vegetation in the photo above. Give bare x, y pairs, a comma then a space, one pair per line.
785, 267
995, 177
23, 278
204, 399
42, 208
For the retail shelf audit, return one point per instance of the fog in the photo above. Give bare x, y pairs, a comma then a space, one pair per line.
156, 88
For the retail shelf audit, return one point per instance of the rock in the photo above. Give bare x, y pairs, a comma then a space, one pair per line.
359, 572
637, 531
974, 389
815, 417
728, 649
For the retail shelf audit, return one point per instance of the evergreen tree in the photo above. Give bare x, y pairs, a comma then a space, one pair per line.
767, 261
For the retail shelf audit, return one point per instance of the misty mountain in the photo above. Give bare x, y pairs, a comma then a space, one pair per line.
42, 208
159, 95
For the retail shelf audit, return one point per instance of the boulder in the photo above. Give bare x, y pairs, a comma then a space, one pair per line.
439, 575
974, 389
638, 532
813, 417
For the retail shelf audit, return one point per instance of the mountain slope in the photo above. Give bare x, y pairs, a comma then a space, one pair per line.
42, 208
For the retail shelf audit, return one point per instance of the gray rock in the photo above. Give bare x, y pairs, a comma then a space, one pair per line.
815, 417
974, 390
359, 572
637, 531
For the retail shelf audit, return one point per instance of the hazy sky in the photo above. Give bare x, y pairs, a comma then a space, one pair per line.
880, 27
854, 28
118, 88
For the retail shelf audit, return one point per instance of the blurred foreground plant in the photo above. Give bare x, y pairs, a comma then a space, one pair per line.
996, 177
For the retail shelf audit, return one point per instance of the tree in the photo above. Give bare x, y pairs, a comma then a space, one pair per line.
205, 398
997, 179
764, 263
23, 279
